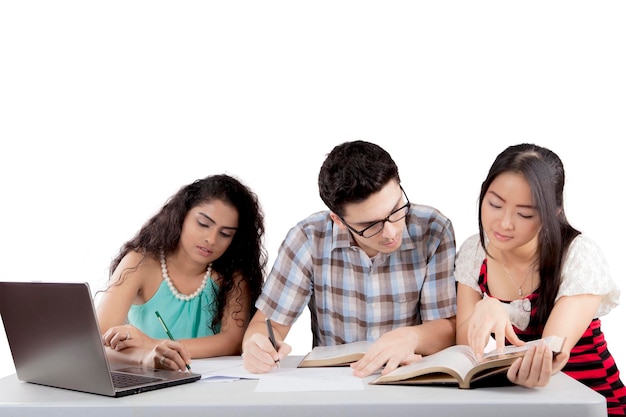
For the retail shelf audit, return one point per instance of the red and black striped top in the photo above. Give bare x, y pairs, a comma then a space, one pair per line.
590, 361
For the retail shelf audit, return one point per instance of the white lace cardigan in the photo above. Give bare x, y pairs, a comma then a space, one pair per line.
585, 271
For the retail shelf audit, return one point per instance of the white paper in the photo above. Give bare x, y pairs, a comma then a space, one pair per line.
280, 379
310, 379
221, 369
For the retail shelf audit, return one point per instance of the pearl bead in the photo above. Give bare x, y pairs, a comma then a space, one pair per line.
183, 297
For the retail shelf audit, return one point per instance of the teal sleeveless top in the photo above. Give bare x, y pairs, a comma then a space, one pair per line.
184, 319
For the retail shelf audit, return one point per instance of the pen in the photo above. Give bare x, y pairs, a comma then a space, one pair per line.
270, 334
168, 333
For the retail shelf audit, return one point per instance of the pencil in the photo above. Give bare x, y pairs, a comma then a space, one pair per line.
168, 333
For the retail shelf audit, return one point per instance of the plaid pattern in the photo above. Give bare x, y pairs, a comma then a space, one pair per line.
353, 297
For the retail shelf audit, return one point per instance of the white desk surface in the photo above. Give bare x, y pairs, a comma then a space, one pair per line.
564, 396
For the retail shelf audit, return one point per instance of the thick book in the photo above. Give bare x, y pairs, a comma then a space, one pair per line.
339, 355
457, 366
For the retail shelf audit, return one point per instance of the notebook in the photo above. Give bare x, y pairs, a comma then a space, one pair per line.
55, 340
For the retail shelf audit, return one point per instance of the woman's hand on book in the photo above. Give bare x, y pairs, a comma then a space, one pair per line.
533, 369
537, 366
489, 317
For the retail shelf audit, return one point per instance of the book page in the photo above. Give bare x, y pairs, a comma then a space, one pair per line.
458, 358
460, 361
553, 342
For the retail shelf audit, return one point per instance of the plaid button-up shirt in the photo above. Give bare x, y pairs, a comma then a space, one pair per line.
353, 297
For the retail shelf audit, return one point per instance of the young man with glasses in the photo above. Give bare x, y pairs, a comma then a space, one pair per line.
373, 267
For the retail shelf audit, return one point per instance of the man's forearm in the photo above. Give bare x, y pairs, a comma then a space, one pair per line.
432, 336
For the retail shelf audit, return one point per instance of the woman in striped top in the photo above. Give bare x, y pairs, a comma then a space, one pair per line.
529, 274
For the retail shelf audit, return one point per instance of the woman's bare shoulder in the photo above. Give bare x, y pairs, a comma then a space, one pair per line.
136, 265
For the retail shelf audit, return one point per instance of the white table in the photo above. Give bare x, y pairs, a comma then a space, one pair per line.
564, 396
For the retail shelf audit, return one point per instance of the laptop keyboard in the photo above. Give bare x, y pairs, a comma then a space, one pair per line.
123, 380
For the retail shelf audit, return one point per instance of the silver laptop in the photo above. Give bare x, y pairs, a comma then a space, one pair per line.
55, 340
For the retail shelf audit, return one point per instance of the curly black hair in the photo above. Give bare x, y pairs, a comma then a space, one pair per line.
245, 255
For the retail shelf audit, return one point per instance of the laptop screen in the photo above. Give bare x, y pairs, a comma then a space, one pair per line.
55, 339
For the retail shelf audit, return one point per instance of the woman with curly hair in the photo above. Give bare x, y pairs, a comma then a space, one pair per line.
196, 265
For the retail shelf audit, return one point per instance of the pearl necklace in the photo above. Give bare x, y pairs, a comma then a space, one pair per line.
173, 289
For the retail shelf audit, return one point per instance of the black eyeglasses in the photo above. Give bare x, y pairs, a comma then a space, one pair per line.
378, 226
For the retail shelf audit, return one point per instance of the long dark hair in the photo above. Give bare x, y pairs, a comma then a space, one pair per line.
544, 172
245, 255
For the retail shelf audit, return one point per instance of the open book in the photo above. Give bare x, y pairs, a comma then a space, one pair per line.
457, 365
339, 355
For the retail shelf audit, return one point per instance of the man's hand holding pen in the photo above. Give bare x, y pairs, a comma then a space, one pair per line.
261, 354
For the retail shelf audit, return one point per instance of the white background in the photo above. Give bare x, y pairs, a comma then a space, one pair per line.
107, 108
